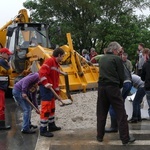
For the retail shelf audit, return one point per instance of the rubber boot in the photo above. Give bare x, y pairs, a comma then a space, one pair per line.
114, 126
52, 127
3, 126
44, 132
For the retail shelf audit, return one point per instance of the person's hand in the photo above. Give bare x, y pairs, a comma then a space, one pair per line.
24, 96
37, 111
63, 73
49, 86
90, 63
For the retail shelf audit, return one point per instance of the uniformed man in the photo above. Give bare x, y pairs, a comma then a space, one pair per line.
5, 70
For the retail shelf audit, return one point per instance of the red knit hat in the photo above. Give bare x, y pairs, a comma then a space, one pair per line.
5, 50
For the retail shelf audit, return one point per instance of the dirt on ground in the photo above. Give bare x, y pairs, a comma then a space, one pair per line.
81, 114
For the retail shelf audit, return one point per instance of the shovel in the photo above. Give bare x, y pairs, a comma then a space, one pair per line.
37, 111
63, 103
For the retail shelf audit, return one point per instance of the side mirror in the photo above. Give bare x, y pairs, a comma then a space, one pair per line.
10, 31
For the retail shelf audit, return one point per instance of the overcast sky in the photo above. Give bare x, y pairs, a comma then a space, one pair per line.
9, 9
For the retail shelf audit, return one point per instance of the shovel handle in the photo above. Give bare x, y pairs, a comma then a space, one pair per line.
27, 99
58, 97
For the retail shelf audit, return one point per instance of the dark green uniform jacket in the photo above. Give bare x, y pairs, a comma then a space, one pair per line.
111, 70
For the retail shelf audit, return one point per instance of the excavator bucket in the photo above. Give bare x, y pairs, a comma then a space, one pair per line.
81, 75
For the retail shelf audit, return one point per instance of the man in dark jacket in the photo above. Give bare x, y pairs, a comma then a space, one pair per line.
127, 85
145, 76
110, 81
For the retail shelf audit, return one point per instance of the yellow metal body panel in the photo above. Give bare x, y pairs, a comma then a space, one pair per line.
21, 17
81, 75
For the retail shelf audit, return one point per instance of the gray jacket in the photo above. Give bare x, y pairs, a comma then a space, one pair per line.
127, 74
137, 82
141, 61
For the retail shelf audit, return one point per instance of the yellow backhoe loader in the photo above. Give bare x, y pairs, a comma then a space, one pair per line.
30, 46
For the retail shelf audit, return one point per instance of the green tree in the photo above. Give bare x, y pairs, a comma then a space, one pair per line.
92, 23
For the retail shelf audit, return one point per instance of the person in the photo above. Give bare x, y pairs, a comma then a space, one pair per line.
136, 61
110, 81
127, 85
85, 54
140, 93
93, 53
141, 59
33, 42
5, 70
49, 78
145, 76
120, 52
27, 87
145, 54
127, 62
98, 57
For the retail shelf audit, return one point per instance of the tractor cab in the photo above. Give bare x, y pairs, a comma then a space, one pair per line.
21, 37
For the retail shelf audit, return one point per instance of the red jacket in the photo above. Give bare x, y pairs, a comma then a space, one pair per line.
93, 55
49, 73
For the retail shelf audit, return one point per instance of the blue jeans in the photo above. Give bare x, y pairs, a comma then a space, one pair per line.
125, 91
136, 115
25, 107
148, 100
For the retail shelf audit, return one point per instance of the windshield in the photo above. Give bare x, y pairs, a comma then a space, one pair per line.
32, 36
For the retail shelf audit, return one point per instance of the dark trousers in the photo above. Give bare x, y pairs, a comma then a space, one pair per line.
111, 95
136, 115
125, 91
2, 105
139, 72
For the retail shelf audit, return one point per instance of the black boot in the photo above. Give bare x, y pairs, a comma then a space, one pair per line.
114, 126
3, 126
33, 126
44, 132
52, 127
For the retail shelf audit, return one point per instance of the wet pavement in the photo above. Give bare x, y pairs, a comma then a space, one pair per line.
84, 139
13, 139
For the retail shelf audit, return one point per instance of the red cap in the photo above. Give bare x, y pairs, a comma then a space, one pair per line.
5, 50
